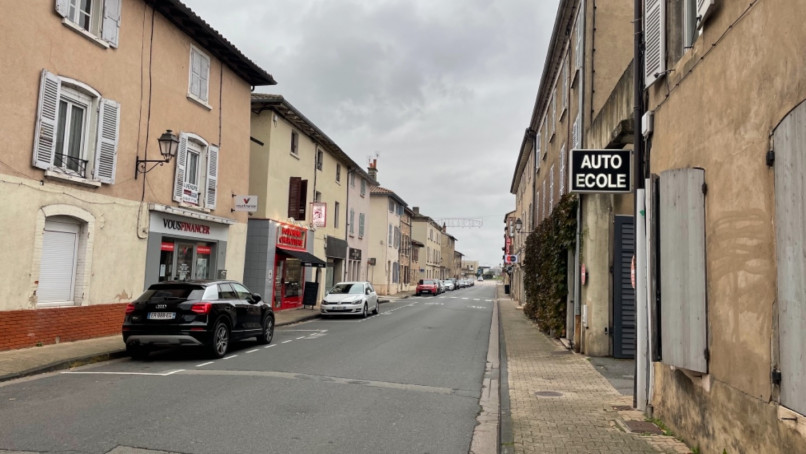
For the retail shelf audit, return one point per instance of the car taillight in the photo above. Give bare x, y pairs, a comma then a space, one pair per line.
129, 308
201, 308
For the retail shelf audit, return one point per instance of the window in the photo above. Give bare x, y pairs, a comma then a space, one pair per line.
562, 171
317, 197
338, 173
391, 234
565, 87
352, 179
351, 222
363, 187
76, 130
391, 206
336, 215
579, 38
551, 188
361, 225
298, 198
320, 157
294, 143
98, 19
196, 179
655, 40
199, 75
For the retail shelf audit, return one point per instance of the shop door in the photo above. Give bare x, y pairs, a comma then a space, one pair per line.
184, 260
624, 333
279, 270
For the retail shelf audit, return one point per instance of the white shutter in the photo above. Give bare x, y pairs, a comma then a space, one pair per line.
62, 7
58, 265
704, 8
111, 23
562, 170
580, 36
565, 84
551, 188
654, 40
181, 160
538, 143
204, 77
106, 149
212, 177
46, 120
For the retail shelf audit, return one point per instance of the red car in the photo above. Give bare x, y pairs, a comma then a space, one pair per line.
427, 286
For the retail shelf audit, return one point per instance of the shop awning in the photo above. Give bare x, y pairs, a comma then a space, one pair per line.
304, 257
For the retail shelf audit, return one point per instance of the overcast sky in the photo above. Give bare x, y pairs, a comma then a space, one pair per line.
438, 91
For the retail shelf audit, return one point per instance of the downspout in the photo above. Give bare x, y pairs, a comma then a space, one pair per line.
642, 363
347, 226
577, 251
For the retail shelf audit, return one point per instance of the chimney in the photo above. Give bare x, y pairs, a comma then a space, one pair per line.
444, 227
373, 170
416, 210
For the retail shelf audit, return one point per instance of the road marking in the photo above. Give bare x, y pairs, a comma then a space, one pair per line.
252, 351
338, 380
270, 346
163, 374
230, 357
290, 340
204, 364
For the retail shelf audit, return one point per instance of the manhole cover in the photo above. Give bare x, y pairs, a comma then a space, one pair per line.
643, 427
548, 394
622, 407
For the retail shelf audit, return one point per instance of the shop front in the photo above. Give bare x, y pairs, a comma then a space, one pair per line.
182, 248
291, 259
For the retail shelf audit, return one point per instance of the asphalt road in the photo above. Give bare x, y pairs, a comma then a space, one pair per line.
405, 381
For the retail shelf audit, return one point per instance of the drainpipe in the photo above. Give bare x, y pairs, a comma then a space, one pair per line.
642, 363
581, 110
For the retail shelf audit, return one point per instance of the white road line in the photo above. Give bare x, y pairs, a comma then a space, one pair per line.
285, 342
270, 346
204, 364
164, 374
252, 351
230, 357
301, 337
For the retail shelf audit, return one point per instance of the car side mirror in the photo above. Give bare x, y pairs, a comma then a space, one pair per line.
256, 297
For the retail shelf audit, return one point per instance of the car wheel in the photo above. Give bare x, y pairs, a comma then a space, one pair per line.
365, 312
220, 341
268, 331
137, 352
377, 308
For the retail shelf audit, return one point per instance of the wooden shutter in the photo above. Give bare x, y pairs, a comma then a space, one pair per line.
46, 120
111, 22
62, 7
303, 200
361, 225
212, 177
684, 336
181, 161
704, 8
352, 221
790, 214
293, 196
654, 40
106, 148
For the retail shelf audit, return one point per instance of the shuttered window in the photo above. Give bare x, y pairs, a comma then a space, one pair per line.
654, 40
196, 175
297, 198
199, 74
99, 19
562, 171
67, 111
361, 225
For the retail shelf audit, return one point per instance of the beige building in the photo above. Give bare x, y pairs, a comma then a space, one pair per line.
406, 251
96, 217
447, 250
386, 209
725, 90
302, 180
574, 89
358, 239
427, 232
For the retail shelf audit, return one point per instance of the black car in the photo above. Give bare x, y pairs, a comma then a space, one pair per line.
197, 313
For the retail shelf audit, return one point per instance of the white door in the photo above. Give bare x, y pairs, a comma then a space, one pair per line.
58, 268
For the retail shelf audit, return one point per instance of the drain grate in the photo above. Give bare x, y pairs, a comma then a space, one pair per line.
548, 394
643, 427
622, 407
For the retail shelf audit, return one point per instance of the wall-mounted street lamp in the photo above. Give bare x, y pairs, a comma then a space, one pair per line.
169, 143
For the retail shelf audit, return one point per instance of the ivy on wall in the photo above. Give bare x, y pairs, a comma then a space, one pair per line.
546, 267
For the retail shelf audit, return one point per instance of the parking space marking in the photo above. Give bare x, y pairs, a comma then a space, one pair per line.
204, 364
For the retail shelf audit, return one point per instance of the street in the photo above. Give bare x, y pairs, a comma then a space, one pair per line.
405, 381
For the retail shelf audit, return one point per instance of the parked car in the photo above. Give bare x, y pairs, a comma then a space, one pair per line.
449, 285
204, 313
350, 298
429, 286
441, 285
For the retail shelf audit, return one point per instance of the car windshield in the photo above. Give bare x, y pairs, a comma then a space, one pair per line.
179, 291
428, 282
354, 289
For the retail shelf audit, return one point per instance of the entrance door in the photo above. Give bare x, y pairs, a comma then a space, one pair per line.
624, 333
57, 269
279, 270
184, 261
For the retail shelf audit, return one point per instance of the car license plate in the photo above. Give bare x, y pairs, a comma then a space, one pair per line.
161, 315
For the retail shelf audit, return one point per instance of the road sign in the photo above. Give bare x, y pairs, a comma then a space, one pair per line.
600, 171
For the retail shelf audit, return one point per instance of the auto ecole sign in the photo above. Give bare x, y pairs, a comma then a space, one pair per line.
600, 171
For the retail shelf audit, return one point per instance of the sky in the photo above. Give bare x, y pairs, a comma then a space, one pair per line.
440, 92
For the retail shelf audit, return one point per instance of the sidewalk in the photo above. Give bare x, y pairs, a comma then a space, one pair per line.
36, 360
559, 403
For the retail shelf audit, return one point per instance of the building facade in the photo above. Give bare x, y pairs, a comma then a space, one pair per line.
427, 232
99, 212
358, 239
386, 209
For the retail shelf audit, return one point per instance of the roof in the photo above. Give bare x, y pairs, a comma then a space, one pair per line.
212, 41
277, 103
381, 191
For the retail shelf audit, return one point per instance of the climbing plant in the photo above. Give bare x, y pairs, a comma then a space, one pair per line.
546, 267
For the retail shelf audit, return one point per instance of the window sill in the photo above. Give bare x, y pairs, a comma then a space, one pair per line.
190, 206
57, 304
69, 24
294, 155
199, 101
55, 175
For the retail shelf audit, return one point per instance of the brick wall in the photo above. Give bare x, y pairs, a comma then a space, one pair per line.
28, 328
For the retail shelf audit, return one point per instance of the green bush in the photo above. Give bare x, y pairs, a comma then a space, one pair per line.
546, 267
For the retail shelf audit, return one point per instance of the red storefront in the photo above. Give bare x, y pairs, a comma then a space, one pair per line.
291, 259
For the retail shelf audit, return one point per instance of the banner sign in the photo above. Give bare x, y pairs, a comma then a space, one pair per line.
245, 203
600, 171
319, 210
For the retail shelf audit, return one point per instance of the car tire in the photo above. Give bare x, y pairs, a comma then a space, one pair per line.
137, 352
365, 312
377, 308
267, 335
220, 340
